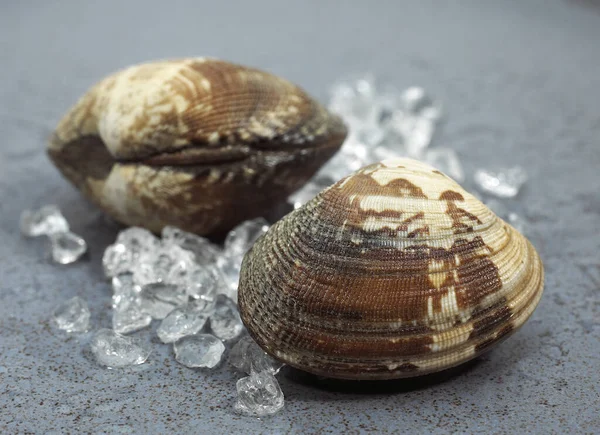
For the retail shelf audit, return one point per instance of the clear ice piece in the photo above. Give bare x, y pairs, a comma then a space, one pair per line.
417, 132
160, 299
72, 316
225, 322
415, 121
352, 98
130, 319
182, 268
127, 306
117, 259
138, 240
204, 282
144, 272
67, 247
125, 290
201, 350
248, 357
504, 183
204, 251
414, 100
162, 264
340, 166
230, 267
114, 350
43, 222
186, 320
243, 236
259, 394
446, 160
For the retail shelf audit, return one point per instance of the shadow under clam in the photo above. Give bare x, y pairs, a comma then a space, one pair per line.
374, 387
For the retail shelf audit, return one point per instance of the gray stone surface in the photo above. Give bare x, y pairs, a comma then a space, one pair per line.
520, 83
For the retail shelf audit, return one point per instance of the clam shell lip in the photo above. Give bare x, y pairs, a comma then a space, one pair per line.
197, 110
394, 271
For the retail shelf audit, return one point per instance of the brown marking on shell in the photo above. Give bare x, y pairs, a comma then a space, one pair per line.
451, 195
197, 143
462, 220
502, 334
490, 319
346, 286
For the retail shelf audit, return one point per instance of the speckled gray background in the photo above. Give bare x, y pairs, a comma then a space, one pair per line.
521, 84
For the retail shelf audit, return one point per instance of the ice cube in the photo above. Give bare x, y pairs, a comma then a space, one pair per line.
114, 350
229, 267
247, 356
204, 282
353, 97
43, 222
243, 236
159, 299
67, 247
259, 394
186, 320
130, 319
201, 350
204, 251
415, 121
138, 240
183, 268
127, 306
162, 264
225, 322
418, 134
72, 316
117, 259
415, 101
125, 290
503, 183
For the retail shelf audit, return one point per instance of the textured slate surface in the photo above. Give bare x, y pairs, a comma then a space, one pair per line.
520, 82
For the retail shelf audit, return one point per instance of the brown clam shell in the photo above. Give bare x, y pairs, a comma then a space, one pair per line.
200, 144
394, 271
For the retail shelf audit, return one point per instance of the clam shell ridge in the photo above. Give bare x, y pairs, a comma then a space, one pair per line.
394, 271
197, 143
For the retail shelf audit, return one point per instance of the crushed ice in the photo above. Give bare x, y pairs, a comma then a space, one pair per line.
259, 394
248, 357
72, 315
185, 320
114, 350
66, 246
200, 350
502, 183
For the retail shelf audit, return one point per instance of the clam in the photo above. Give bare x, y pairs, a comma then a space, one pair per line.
394, 271
200, 144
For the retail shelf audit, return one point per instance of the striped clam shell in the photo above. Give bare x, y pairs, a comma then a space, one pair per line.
198, 143
394, 271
